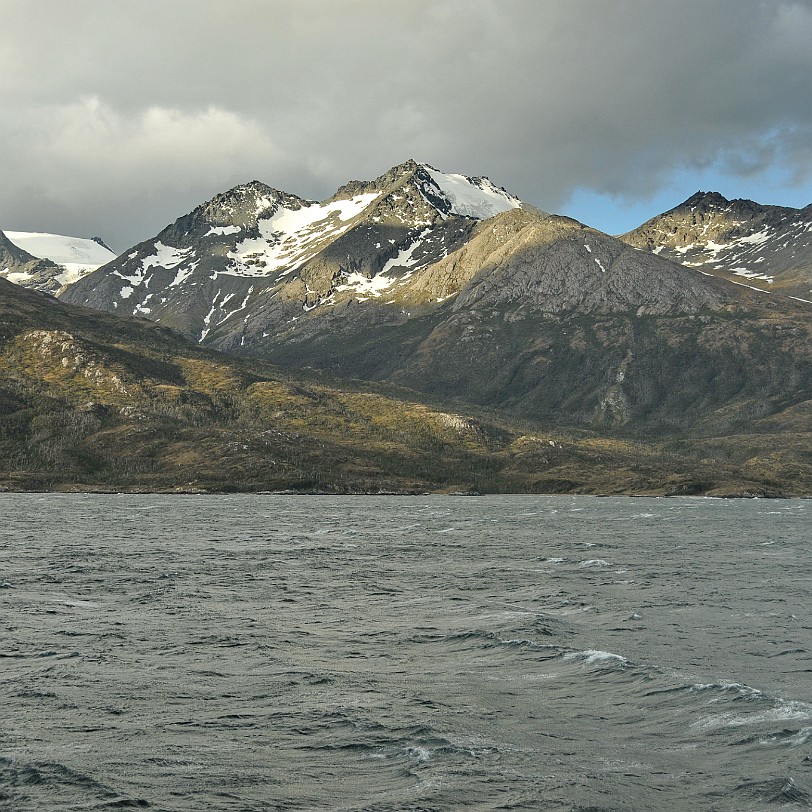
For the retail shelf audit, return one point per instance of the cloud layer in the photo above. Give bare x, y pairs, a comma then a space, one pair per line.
115, 118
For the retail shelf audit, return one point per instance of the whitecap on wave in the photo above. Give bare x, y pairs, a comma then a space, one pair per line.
593, 656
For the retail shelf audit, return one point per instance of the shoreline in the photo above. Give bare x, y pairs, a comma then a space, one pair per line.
659, 493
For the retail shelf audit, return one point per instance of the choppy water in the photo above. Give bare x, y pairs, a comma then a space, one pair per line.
523, 653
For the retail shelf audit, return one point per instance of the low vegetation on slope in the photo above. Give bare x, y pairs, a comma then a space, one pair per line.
89, 401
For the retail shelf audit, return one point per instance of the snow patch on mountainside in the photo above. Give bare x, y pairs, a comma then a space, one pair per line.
473, 197
222, 230
360, 284
286, 237
17, 277
404, 259
166, 256
77, 255
753, 275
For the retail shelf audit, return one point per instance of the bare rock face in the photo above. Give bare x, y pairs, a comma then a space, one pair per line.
555, 265
766, 247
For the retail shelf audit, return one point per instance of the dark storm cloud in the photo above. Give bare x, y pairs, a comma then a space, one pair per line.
117, 117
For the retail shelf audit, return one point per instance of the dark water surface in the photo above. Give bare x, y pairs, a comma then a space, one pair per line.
404, 653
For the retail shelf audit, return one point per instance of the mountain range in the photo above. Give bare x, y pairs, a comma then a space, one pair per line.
459, 294
453, 287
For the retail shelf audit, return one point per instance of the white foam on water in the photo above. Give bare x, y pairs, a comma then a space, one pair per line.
565, 612
738, 687
784, 711
76, 603
802, 737
595, 562
593, 656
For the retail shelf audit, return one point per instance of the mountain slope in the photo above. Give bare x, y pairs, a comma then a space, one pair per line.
767, 247
93, 401
49, 261
531, 313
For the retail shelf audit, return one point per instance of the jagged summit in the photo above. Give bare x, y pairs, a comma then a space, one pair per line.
768, 247
368, 238
704, 200
736, 210
245, 204
102, 243
467, 196
382, 182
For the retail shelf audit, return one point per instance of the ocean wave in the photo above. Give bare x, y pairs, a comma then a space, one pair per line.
781, 712
596, 657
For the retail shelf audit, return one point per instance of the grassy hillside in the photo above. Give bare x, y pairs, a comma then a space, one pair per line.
89, 401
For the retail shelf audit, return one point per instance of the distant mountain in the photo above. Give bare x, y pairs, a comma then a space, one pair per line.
95, 401
49, 262
22, 268
766, 247
453, 287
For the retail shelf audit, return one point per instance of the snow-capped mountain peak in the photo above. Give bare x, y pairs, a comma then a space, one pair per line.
475, 197
75, 256
256, 248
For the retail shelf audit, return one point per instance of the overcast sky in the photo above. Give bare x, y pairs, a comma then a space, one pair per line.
118, 117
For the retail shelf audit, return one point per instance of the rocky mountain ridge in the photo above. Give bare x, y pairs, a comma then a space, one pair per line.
766, 247
413, 238
254, 243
